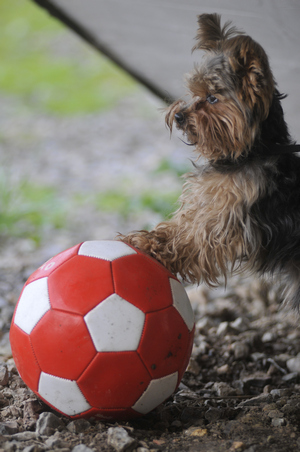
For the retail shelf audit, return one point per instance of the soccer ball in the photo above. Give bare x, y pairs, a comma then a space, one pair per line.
102, 330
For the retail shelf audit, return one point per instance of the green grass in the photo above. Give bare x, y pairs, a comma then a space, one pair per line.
115, 201
26, 209
167, 165
33, 68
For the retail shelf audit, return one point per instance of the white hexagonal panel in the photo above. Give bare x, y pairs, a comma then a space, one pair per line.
62, 394
105, 249
115, 325
33, 304
156, 393
182, 303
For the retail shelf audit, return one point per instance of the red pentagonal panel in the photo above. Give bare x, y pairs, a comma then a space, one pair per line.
48, 267
24, 357
165, 342
143, 282
114, 380
80, 284
62, 344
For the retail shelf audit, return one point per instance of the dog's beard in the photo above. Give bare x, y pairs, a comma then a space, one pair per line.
218, 131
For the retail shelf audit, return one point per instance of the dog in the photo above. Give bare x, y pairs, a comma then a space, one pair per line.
240, 210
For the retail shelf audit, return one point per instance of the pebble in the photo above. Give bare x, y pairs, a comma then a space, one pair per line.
54, 442
293, 364
223, 389
9, 428
269, 337
240, 324
196, 431
118, 438
278, 422
34, 448
275, 414
223, 329
237, 446
290, 377
78, 426
24, 436
240, 350
193, 367
256, 356
47, 423
223, 370
82, 448
254, 401
3, 375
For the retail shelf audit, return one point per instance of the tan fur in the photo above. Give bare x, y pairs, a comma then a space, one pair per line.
229, 96
212, 232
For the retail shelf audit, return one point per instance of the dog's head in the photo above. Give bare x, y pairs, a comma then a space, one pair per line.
230, 93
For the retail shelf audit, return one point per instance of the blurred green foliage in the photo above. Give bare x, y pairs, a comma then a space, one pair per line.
27, 209
51, 73
115, 201
35, 66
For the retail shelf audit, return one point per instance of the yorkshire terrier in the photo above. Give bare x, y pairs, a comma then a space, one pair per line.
241, 209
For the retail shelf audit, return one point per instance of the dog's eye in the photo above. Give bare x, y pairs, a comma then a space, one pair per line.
212, 99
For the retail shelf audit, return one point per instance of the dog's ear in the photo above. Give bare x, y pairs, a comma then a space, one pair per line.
211, 35
251, 65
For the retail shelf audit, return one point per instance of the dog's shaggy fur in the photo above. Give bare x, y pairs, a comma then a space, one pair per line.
242, 208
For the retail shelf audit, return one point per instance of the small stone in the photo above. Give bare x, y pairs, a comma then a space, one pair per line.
3, 375
258, 380
31, 410
9, 428
34, 448
196, 431
82, 448
203, 324
278, 392
78, 426
240, 350
290, 377
238, 446
263, 398
293, 364
278, 422
47, 423
240, 324
24, 436
193, 367
256, 356
119, 439
53, 442
223, 389
269, 407
275, 414
223, 329
268, 337
225, 369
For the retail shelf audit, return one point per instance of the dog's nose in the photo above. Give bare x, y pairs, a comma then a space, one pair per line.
179, 117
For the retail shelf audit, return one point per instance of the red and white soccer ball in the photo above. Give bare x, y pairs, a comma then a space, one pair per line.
102, 330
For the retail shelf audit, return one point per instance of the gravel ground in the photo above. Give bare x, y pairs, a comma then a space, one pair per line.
241, 389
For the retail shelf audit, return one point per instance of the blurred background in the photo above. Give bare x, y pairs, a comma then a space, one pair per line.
84, 153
